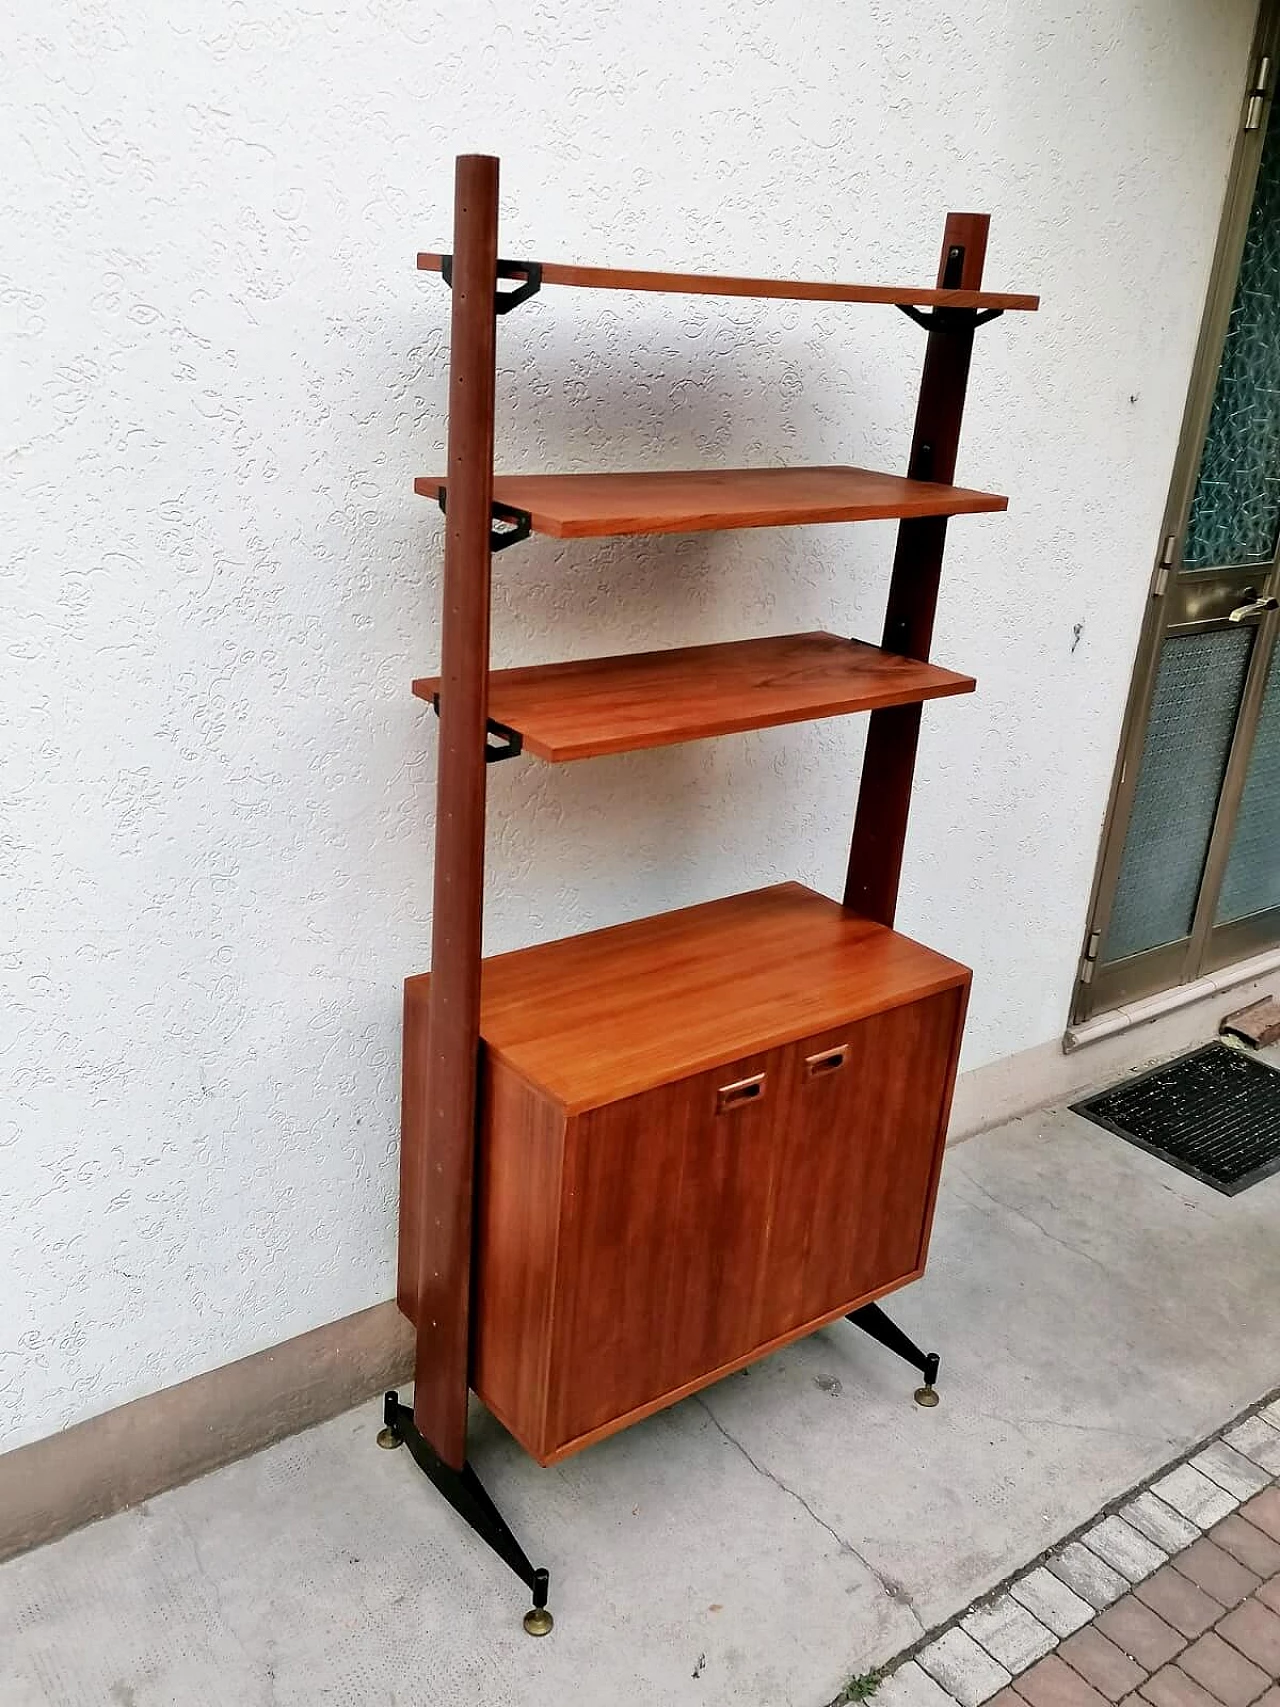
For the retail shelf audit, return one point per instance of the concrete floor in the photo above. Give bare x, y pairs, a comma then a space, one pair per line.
1097, 1313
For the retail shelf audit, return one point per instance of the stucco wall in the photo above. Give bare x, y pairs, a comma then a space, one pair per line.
222, 374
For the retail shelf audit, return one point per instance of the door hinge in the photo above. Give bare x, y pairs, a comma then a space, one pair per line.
1257, 94
1165, 566
1089, 959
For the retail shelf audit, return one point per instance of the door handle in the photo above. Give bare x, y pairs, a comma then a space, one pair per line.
1259, 607
826, 1061
737, 1095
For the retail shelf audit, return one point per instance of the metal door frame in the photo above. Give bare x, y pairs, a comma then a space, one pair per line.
1175, 607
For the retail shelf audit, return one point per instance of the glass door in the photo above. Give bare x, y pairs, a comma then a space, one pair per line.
1189, 878
1247, 916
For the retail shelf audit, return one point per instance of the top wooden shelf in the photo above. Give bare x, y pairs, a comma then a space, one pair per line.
579, 506
789, 290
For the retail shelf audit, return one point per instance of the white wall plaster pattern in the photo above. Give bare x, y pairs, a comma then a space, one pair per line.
222, 373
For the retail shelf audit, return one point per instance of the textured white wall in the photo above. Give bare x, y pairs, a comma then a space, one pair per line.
222, 373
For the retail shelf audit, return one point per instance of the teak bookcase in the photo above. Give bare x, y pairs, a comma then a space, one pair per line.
634, 1160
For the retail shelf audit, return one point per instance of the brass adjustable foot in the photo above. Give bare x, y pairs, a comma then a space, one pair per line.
537, 1620
872, 1320
465, 1493
926, 1395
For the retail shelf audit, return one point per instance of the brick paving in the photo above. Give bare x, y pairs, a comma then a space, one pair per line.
1170, 1600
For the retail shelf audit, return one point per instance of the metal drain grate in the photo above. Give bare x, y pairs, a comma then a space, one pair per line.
1215, 1114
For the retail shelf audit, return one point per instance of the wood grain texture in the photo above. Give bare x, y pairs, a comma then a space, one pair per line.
653, 699
636, 1249
662, 1244
441, 1219
518, 1198
413, 1126
580, 506
745, 1237
594, 1018
888, 767
632, 1254
854, 1171
556, 1452
944, 1118
791, 290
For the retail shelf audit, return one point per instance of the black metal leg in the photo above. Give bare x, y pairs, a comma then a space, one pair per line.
467, 1495
872, 1320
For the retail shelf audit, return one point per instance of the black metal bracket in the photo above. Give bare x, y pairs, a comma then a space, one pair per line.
501, 741
467, 1495
520, 522
505, 300
949, 319
872, 1320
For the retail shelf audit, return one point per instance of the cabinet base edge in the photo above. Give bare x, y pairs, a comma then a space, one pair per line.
549, 1453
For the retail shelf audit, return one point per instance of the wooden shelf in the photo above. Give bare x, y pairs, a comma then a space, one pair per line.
790, 290
579, 506
657, 699
613, 1013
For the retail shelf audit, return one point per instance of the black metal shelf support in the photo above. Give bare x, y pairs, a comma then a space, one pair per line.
948, 319
530, 272
951, 319
519, 522
872, 1320
467, 1495
501, 742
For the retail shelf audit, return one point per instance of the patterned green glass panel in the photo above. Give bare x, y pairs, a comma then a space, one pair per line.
1235, 512
1193, 719
1252, 880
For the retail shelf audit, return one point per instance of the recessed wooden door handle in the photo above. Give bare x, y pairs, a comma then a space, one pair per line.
826, 1061
739, 1094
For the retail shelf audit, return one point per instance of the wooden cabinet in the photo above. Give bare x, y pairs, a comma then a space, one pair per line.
632, 1248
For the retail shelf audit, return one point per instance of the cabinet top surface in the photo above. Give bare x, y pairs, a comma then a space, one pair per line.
576, 506
594, 1018
793, 290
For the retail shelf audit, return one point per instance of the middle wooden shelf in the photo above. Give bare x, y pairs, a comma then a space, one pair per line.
582, 709
584, 506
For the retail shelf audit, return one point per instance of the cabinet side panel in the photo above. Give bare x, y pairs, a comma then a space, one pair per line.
944, 1113
517, 1228
413, 1103
911, 1067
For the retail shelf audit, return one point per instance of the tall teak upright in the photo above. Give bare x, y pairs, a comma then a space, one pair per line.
442, 1210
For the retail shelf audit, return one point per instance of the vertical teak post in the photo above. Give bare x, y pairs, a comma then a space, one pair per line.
884, 798
443, 1210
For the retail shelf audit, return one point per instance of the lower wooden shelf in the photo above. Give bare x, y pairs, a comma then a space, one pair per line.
594, 706
702, 1135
